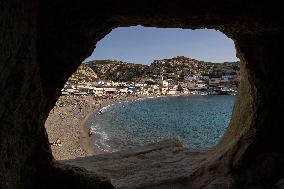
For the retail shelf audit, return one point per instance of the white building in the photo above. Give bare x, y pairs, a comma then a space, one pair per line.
172, 92
110, 89
163, 82
98, 90
214, 81
122, 84
140, 84
123, 90
196, 77
190, 78
200, 84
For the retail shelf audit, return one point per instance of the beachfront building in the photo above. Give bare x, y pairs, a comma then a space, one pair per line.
98, 90
201, 84
164, 83
144, 92
140, 84
172, 91
122, 90
153, 89
87, 90
214, 81
110, 90
192, 82
122, 84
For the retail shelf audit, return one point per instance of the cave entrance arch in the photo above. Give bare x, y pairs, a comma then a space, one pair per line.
239, 148
115, 64
37, 63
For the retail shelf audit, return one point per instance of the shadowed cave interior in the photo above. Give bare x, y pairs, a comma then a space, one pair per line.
43, 43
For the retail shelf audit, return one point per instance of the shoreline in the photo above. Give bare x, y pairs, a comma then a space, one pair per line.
106, 104
85, 140
68, 123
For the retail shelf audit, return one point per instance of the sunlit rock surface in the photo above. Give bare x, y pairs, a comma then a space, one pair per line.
163, 165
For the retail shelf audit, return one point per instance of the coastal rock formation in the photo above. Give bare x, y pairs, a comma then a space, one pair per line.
44, 42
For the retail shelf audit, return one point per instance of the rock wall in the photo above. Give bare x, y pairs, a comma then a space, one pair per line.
23, 144
43, 42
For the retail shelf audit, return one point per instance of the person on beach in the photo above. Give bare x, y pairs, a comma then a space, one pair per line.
90, 132
99, 112
57, 143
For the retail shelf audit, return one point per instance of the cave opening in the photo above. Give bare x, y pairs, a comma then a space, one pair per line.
43, 43
112, 102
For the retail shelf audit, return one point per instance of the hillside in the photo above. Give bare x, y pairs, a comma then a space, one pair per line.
117, 70
175, 68
84, 72
181, 66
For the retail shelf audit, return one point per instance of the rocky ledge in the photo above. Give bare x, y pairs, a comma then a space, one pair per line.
162, 165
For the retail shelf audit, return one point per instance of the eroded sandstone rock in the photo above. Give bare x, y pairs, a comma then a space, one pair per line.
43, 42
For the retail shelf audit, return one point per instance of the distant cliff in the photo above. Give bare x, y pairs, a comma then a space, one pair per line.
174, 68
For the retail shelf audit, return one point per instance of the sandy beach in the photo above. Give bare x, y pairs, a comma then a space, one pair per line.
67, 119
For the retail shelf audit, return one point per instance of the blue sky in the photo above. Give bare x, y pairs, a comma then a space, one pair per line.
142, 45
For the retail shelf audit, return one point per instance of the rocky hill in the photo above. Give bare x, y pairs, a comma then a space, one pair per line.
117, 70
174, 68
181, 66
84, 72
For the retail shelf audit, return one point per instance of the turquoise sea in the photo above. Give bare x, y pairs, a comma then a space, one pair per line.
197, 121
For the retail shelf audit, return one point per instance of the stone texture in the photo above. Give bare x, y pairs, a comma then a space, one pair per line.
162, 165
43, 42
23, 144
280, 184
221, 183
